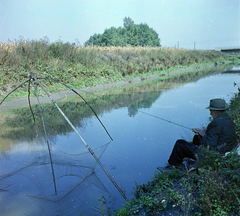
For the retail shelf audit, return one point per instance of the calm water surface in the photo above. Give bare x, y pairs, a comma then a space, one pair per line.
140, 143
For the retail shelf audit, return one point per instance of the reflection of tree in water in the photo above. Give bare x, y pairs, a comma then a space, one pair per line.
24, 127
147, 99
148, 93
21, 126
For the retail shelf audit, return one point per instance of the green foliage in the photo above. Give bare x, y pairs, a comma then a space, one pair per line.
235, 110
154, 196
219, 191
131, 34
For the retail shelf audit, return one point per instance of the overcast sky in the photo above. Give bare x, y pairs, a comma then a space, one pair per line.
209, 23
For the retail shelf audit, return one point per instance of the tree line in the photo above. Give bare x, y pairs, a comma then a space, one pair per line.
129, 35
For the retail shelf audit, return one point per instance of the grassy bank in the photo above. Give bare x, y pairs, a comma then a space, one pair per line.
82, 67
212, 189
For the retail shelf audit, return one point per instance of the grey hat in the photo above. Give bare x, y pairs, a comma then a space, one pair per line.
217, 104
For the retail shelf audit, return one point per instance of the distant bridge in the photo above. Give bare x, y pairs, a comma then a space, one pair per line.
229, 49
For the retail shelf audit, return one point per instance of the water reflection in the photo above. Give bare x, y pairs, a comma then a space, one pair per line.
140, 143
19, 124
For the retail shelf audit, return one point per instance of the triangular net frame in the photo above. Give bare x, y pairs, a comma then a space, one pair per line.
55, 164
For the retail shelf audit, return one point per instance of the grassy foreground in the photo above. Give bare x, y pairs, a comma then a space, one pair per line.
212, 189
82, 67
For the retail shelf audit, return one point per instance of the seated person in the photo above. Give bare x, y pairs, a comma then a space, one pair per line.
219, 135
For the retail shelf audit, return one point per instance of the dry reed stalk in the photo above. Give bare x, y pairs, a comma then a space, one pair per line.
9, 46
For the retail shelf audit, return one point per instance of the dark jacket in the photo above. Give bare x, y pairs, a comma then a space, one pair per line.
220, 134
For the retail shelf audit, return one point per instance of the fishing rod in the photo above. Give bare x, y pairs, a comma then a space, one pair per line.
171, 122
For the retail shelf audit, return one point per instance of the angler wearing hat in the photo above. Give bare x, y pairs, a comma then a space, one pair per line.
219, 135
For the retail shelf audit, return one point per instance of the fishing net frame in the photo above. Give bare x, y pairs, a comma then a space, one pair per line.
30, 81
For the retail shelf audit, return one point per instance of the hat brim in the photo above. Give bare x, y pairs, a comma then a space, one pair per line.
217, 108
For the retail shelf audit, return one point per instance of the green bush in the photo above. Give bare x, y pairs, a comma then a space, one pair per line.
130, 35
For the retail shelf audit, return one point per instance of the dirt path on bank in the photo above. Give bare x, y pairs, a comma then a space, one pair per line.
23, 102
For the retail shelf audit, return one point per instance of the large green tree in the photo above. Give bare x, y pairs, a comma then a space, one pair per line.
130, 34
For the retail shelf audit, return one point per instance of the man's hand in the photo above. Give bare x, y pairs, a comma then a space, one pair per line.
199, 131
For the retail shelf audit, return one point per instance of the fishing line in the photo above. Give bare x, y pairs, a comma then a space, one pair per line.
163, 119
171, 122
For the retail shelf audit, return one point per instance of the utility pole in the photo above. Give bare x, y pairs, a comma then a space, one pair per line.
178, 44
194, 45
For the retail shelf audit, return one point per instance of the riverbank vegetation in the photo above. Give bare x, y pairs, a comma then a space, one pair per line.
212, 189
82, 67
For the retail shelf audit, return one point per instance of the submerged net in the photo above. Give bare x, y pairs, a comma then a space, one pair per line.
26, 178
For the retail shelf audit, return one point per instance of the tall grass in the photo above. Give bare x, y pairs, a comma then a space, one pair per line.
86, 66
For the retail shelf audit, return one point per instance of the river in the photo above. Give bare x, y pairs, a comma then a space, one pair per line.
144, 120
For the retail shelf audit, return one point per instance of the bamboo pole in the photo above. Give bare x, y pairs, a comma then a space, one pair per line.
46, 137
87, 146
